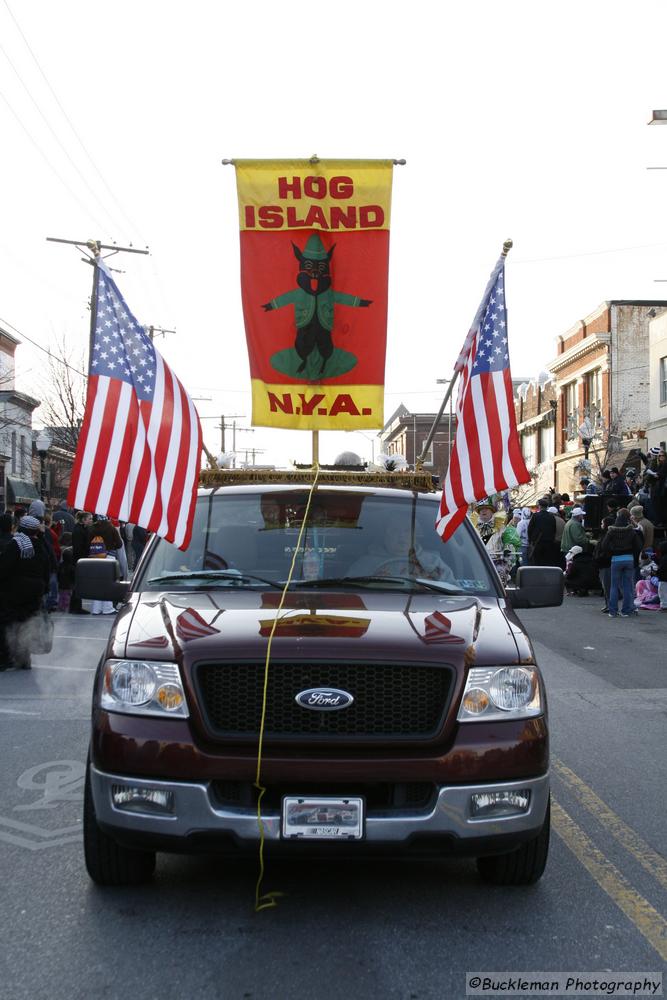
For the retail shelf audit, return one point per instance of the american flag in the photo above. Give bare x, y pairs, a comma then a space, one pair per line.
486, 456
139, 449
157, 642
438, 629
191, 625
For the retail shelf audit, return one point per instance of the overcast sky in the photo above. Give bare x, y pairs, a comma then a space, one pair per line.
518, 120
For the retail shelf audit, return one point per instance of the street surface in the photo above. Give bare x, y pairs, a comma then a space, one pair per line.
407, 930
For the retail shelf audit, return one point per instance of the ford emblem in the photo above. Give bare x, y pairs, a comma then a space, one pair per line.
324, 699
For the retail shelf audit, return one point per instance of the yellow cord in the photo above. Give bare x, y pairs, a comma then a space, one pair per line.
264, 902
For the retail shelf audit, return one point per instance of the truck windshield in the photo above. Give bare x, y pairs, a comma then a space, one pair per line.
249, 539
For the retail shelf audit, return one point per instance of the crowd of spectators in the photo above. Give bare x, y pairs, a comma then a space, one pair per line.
623, 557
39, 550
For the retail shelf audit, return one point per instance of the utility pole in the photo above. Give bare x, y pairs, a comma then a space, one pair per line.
93, 250
222, 425
158, 331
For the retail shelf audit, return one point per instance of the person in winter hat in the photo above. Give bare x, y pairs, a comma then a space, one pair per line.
37, 509
522, 529
574, 532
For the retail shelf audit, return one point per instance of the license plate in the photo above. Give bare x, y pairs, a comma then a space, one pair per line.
323, 818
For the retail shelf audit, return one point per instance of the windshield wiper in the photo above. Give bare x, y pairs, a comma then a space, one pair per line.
226, 575
440, 586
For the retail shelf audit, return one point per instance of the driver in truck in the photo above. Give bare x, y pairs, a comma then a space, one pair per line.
397, 556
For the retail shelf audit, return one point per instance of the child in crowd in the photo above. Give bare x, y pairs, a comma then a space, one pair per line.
98, 550
65, 571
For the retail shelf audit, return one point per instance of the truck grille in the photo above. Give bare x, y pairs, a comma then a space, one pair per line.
390, 701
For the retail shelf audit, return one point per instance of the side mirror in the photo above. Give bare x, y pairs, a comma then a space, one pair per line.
98, 580
537, 587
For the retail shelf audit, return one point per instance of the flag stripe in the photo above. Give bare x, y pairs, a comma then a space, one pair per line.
93, 420
183, 531
81, 445
99, 463
474, 459
119, 489
148, 509
172, 438
140, 466
112, 457
479, 396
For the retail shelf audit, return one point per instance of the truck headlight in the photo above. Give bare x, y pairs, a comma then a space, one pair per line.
500, 693
141, 687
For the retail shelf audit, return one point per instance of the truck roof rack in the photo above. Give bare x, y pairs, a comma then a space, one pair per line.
422, 482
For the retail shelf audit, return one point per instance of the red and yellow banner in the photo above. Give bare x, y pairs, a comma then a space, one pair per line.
314, 268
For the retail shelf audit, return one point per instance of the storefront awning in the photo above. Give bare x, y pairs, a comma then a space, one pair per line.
20, 490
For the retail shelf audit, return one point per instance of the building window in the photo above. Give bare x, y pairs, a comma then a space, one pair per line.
546, 443
663, 381
593, 393
570, 414
428, 457
14, 470
529, 449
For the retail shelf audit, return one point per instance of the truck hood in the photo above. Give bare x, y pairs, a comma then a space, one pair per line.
315, 625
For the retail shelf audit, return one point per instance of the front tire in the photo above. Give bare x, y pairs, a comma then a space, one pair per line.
107, 862
521, 867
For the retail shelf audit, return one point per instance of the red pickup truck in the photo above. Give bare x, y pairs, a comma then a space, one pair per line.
405, 711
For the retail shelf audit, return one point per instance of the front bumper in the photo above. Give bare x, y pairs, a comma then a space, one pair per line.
197, 818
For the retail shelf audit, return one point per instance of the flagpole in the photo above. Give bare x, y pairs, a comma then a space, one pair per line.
94, 247
507, 246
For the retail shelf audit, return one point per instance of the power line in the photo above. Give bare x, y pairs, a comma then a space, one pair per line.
56, 136
71, 125
62, 180
54, 357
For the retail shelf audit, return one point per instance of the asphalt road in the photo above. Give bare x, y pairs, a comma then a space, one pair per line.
400, 929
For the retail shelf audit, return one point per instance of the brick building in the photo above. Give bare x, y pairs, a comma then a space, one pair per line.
405, 433
601, 374
535, 410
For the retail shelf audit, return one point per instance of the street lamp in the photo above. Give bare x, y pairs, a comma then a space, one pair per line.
42, 443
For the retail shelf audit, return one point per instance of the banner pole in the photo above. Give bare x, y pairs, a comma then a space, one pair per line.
316, 448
